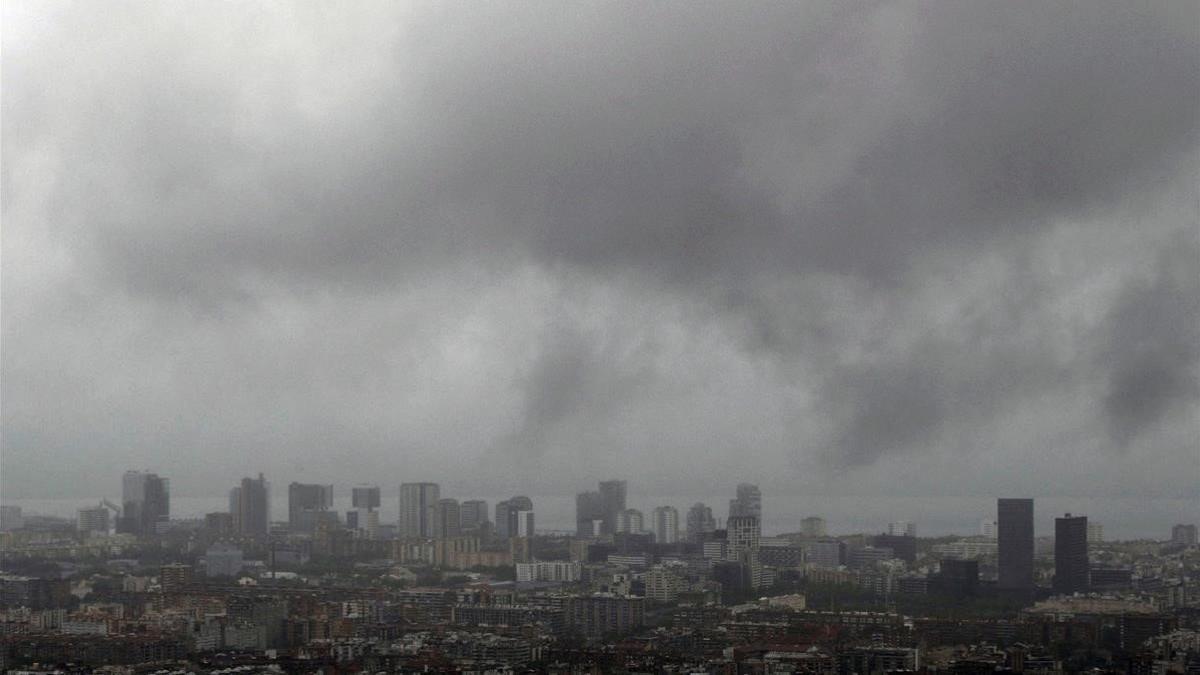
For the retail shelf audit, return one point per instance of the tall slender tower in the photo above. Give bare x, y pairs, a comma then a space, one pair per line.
418, 503
1071, 573
1014, 525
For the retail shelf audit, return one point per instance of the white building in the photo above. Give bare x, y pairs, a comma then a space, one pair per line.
554, 570
666, 525
902, 528
630, 520
524, 523
987, 528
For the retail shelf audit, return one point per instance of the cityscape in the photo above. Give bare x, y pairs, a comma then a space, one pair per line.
461, 585
511, 337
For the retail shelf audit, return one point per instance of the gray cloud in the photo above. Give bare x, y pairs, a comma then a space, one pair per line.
821, 238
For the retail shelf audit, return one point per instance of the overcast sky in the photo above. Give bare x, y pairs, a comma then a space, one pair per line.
902, 248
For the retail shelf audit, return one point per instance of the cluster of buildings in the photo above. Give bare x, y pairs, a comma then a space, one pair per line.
453, 586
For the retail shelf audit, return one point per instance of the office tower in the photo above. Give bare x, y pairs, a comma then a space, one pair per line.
145, 502
365, 497
11, 518
630, 520
448, 519
813, 526
744, 533
612, 493
371, 531
473, 514
305, 501
219, 523
987, 528
902, 528
666, 525
747, 503
94, 519
1014, 530
589, 508
506, 515
525, 524
175, 577
1071, 554
1095, 533
250, 505
700, 522
1183, 535
418, 502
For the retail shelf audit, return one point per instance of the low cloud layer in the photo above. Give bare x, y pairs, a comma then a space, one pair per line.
807, 245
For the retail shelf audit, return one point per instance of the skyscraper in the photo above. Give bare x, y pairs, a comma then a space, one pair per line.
1014, 525
145, 502
506, 515
473, 514
744, 533
747, 503
630, 520
589, 510
700, 522
1071, 554
418, 502
902, 528
305, 501
665, 524
365, 497
612, 494
448, 519
250, 506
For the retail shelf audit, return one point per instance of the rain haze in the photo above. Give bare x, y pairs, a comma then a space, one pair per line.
859, 254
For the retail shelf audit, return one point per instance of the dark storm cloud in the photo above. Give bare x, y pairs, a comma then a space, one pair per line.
889, 225
1152, 351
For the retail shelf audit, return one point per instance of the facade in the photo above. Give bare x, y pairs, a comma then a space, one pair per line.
365, 497
1014, 529
250, 506
664, 583
700, 522
1095, 533
630, 520
525, 524
744, 533
1184, 535
902, 528
589, 510
599, 615
1071, 554
473, 513
507, 518
557, 570
987, 528
447, 520
612, 497
305, 502
418, 505
94, 519
824, 553
747, 503
145, 502
665, 525
813, 526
